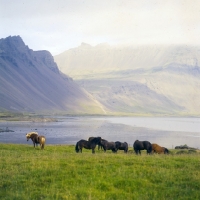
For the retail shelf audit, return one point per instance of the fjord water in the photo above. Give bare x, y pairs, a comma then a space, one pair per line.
168, 132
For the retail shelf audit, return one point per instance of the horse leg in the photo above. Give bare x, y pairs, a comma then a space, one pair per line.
137, 151
149, 151
104, 148
93, 151
42, 145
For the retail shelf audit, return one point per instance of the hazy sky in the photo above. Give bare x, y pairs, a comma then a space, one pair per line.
58, 25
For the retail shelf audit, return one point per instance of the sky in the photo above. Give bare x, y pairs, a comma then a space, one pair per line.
59, 25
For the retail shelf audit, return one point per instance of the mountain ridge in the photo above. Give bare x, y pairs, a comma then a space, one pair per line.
157, 79
30, 81
95, 59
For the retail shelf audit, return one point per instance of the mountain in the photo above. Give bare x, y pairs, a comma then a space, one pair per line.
143, 80
30, 81
87, 59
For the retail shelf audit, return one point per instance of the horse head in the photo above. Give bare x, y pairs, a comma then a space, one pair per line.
99, 140
166, 151
28, 135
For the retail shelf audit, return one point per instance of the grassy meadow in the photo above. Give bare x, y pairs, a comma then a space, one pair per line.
59, 173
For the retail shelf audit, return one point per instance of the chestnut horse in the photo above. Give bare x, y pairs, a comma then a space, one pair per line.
36, 139
158, 149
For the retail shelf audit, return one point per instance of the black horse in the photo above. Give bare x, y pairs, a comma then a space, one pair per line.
99, 145
141, 145
87, 144
108, 146
122, 146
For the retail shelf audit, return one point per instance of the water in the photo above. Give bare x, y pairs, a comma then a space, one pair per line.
168, 132
167, 124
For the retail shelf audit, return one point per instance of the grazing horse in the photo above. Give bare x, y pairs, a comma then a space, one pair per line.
141, 145
87, 144
158, 149
36, 139
99, 145
108, 146
122, 146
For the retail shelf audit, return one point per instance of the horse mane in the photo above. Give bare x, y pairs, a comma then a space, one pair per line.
31, 133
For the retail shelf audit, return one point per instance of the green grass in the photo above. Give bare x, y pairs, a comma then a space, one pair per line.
59, 173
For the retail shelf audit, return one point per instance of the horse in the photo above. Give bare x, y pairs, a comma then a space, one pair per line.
122, 146
158, 149
87, 144
36, 139
141, 145
108, 146
99, 145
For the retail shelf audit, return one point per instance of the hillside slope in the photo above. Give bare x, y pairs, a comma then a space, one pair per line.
31, 81
87, 59
163, 80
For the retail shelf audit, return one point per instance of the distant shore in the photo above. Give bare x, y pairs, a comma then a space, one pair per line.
26, 117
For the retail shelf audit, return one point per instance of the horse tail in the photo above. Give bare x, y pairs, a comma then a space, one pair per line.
41, 140
77, 148
126, 147
150, 148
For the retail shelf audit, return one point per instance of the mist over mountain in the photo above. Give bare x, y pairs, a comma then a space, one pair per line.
92, 59
156, 79
30, 81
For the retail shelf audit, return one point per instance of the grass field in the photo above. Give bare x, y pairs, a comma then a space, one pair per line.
59, 173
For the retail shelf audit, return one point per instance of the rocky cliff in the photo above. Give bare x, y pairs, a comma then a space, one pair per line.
30, 81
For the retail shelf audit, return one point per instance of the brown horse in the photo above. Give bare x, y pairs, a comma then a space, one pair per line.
158, 149
36, 139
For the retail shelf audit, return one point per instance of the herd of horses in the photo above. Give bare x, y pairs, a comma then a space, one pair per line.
92, 142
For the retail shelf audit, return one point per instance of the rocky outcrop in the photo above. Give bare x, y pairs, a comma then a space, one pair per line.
185, 147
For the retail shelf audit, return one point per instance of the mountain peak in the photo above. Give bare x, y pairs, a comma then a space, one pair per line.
15, 40
85, 45
13, 44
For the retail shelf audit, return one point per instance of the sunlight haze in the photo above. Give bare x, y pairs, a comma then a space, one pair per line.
58, 25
